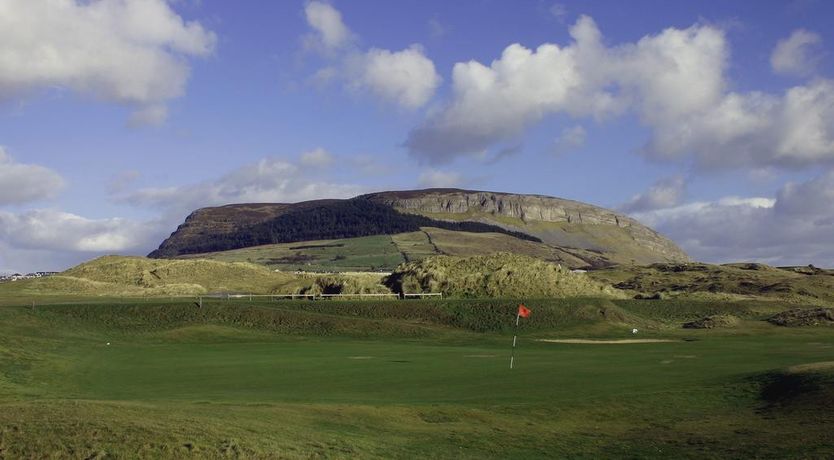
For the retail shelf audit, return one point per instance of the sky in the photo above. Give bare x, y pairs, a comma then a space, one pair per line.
712, 121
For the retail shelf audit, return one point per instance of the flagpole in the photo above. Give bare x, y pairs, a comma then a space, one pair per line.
515, 336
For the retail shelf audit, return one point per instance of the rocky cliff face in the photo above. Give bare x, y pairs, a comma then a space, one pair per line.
556, 221
523, 207
568, 224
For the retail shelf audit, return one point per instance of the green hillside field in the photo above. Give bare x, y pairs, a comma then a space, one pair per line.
385, 252
410, 379
367, 253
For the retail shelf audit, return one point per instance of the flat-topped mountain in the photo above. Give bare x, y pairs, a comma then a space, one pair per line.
556, 229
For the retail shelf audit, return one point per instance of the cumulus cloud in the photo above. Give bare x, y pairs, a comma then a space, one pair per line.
23, 183
434, 178
673, 81
407, 77
794, 228
329, 31
667, 74
57, 230
797, 54
133, 52
47, 239
665, 193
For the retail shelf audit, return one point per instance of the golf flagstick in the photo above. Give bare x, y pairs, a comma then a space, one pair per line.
515, 336
522, 311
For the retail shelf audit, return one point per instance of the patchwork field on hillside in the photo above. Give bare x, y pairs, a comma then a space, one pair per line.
385, 252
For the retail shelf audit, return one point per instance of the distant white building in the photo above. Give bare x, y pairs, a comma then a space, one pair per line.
18, 276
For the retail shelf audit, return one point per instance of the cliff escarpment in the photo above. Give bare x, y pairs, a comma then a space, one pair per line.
596, 235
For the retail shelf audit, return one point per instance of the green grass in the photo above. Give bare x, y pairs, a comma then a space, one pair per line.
369, 253
406, 379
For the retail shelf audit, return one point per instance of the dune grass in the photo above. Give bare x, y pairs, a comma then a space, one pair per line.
407, 379
496, 275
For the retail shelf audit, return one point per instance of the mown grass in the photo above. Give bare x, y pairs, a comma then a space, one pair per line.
405, 379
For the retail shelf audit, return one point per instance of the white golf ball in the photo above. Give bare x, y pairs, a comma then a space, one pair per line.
108, 343
634, 331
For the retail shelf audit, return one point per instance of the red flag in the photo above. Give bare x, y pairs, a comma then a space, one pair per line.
523, 311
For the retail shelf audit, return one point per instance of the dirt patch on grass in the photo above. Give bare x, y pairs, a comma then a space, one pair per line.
800, 317
606, 342
712, 322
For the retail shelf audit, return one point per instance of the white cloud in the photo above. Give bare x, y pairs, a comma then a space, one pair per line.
407, 77
795, 228
46, 239
434, 178
132, 52
23, 183
660, 76
673, 81
665, 193
796, 55
269, 180
62, 231
317, 158
571, 138
329, 31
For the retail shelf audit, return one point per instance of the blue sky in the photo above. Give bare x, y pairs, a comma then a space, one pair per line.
711, 121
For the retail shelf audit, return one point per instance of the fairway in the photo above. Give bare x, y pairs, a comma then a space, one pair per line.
342, 380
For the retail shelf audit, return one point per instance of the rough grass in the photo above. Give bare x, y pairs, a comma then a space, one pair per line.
116, 276
732, 281
496, 275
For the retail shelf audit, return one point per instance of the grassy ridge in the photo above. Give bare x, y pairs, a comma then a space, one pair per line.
753, 280
395, 318
496, 275
117, 276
